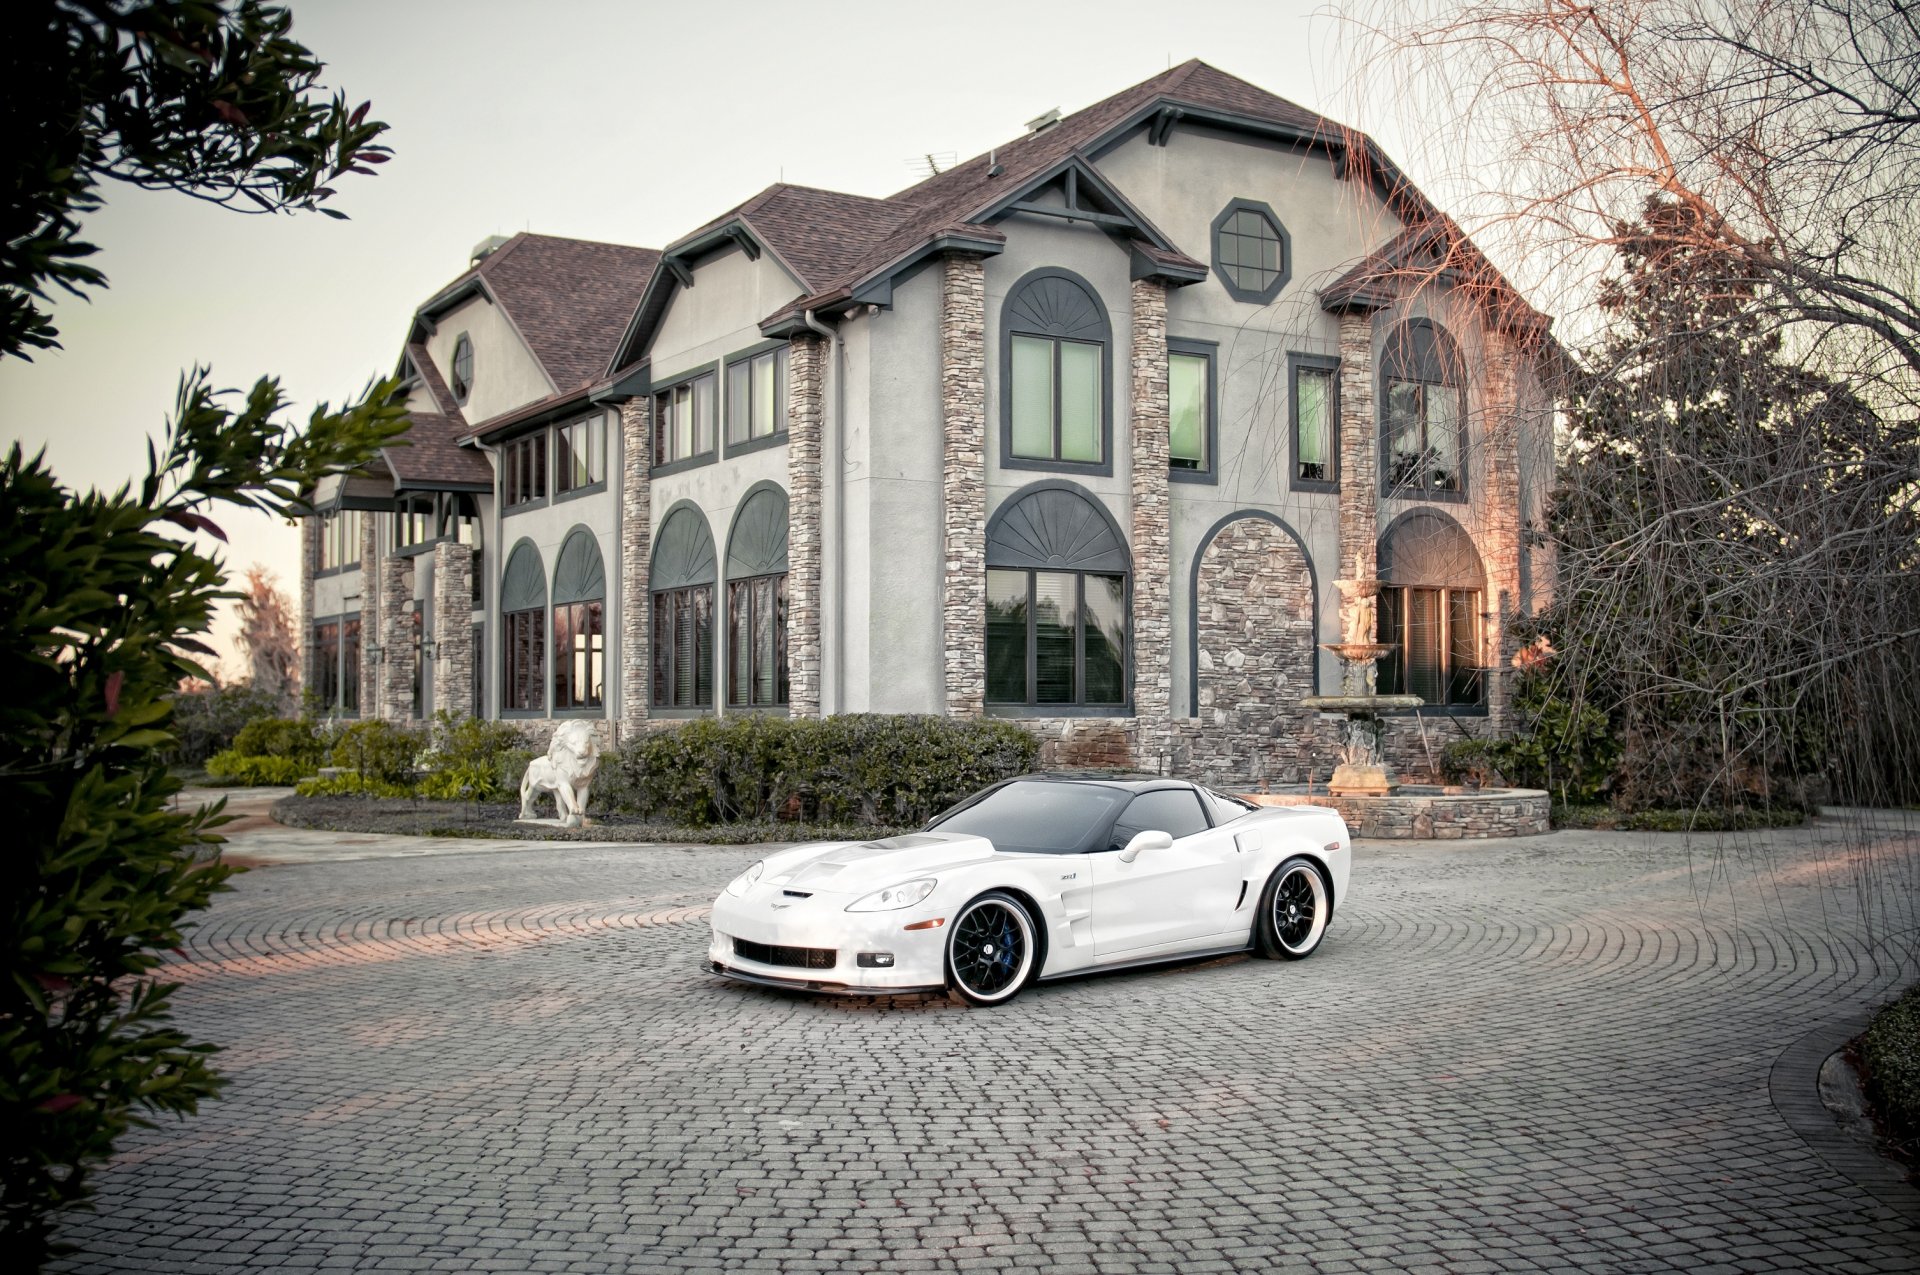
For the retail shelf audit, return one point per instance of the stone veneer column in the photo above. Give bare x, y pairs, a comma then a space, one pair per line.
1359, 449
1152, 568
369, 613
310, 529
963, 504
1500, 521
806, 421
636, 559
453, 628
396, 637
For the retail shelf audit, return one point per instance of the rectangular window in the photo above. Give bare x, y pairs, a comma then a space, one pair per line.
326, 666
756, 396
1435, 636
683, 647
412, 524
580, 454
1315, 402
684, 420
1056, 638
525, 663
757, 635
1423, 435
1187, 411
340, 540
1056, 404
350, 665
579, 655
526, 469
479, 671
418, 634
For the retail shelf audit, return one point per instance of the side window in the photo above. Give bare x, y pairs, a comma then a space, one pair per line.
1174, 811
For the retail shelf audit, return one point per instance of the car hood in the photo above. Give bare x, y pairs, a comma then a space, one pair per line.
860, 867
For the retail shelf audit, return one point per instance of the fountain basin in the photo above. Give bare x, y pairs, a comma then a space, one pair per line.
1426, 811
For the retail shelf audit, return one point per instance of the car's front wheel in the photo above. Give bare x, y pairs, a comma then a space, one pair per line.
1293, 912
990, 949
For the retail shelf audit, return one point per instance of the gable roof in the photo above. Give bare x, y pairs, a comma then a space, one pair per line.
429, 457
1433, 251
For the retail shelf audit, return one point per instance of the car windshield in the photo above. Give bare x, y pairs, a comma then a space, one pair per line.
1038, 816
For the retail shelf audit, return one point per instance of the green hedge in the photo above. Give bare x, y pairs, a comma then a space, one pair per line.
863, 768
1890, 1053
235, 767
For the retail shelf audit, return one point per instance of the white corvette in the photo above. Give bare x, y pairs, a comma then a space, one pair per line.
1037, 878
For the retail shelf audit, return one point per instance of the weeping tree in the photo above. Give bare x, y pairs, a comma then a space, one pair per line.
268, 639
108, 601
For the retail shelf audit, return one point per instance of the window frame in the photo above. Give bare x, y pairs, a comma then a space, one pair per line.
1454, 374
461, 383
332, 530
669, 705
536, 619
1011, 325
1078, 706
1396, 677
588, 705
783, 693
1191, 347
1296, 364
780, 352
1254, 296
536, 446
593, 424
345, 638
668, 390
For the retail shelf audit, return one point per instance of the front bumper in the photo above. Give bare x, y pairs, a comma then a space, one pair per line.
764, 916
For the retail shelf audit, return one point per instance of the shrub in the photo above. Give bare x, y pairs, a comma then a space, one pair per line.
508, 767
380, 752
300, 739
1569, 750
464, 758
208, 721
870, 769
351, 784
1469, 761
235, 767
1890, 1054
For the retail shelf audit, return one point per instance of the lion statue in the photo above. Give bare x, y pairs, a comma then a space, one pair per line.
566, 771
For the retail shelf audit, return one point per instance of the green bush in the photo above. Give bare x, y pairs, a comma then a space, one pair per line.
464, 758
1890, 1057
1707, 818
208, 721
865, 769
1470, 761
351, 784
298, 738
509, 766
236, 767
1569, 750
379, 752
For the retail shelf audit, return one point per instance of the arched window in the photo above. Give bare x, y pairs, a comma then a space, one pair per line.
579, 624
523, 628
1056, 403
1431, 603
1423, 440
757, 601
682, 591
1058, 578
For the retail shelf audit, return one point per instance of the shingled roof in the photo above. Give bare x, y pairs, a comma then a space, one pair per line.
1434, 250
569, 298
430, 457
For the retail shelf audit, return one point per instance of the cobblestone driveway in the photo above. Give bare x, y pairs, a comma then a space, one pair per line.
1538, 1055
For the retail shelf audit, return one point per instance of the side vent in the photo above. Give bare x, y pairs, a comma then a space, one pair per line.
1041, 123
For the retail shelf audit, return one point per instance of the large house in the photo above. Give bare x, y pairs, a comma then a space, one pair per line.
1078, 432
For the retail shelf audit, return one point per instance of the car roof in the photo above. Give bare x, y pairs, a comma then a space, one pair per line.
1127, 782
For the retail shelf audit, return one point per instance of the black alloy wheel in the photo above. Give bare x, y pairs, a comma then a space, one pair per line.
1294, 908
990, 950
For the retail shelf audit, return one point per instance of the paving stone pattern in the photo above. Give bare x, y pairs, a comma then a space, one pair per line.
1550, 1054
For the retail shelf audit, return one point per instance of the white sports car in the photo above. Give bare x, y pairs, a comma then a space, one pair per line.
1037, 878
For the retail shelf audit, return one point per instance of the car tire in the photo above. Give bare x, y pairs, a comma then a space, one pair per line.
992, 950
1294, 909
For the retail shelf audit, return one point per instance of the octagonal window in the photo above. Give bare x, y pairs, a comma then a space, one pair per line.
1251, 252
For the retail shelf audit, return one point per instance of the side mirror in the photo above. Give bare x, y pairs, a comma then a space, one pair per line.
1151, 839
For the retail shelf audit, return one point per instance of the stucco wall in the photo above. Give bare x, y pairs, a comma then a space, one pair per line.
505, 375
720, 314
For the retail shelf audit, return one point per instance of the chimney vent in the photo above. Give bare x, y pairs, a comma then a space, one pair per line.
486, 248
1041, 123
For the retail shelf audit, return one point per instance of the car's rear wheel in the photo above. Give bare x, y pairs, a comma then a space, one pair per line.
990, 950
1293, 912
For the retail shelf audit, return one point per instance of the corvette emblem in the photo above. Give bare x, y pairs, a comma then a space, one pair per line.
778, 906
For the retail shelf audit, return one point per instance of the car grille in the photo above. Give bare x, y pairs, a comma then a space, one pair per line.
805, 958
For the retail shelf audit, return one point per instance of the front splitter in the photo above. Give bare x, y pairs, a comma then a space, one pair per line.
820, 987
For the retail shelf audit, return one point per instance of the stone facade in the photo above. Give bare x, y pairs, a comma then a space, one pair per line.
806, 417
1499, 538
963, 508
1359, 449
1152, 514
636, 558
1254, 663
396, 639
370, 635
453, 655
310, 531
1084, 743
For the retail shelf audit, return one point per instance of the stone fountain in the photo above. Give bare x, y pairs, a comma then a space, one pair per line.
1362, 771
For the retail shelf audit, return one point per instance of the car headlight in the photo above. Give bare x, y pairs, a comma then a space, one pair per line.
894, 896
744, 882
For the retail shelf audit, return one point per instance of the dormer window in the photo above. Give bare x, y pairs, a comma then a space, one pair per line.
462, 368
1251, 252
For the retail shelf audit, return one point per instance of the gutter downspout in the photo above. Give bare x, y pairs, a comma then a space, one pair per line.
827, 448
489, 629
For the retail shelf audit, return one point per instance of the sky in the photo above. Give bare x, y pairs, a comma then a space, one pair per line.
631, 123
